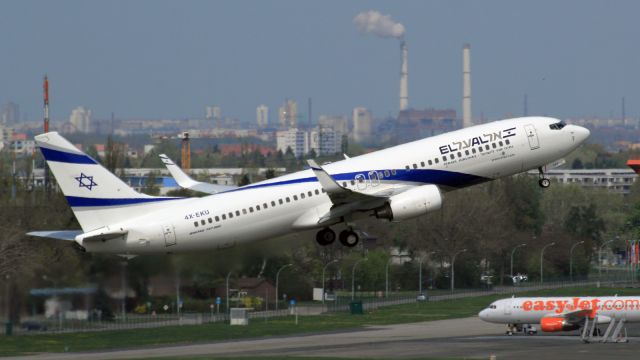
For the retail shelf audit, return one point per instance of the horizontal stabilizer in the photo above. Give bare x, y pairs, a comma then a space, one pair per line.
102, 234
186, 182
68, 235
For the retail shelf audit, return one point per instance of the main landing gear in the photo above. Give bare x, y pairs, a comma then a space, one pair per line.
544, 181
348, 238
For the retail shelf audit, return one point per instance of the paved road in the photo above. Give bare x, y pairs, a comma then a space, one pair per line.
469, 338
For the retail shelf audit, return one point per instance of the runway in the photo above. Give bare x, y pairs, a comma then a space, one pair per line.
458, 338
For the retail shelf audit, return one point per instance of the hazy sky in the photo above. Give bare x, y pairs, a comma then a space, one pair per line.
170, 59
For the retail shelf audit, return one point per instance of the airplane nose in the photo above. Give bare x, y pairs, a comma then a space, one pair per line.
580, 133
483, 314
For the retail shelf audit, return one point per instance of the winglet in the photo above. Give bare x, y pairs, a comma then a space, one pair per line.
185, 181
327, 182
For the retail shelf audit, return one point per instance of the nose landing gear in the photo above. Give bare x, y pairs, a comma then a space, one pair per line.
544, 181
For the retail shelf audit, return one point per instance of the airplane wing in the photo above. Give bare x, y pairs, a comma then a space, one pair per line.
346, 201
186, 182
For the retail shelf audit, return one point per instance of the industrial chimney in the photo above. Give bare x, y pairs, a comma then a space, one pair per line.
466, 79
404, 77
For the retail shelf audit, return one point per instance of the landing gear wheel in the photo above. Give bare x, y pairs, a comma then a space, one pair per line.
326, 237
349, 238
544, 183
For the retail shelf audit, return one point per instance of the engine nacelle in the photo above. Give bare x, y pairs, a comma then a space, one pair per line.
411, 203
550, 324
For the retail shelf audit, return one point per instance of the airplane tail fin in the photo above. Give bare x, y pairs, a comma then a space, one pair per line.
97, 197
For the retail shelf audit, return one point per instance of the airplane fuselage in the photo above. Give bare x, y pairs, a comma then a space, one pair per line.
533, 309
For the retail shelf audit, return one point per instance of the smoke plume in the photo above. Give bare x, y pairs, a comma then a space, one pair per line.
374, 22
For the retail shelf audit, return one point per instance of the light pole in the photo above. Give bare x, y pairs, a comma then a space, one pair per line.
420, 270
600, 258
353, 278
512, 253
571, 259
227, 284
386, 276
542, 260
277, 278
453, 263
323, 271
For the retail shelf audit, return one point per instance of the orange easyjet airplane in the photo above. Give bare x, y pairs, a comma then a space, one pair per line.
562, 313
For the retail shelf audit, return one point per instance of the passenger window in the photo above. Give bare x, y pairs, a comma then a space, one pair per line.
451, 156
317, 192
480, 148
280, 201
295, 197
353, 182
506, 141
210, 220
473, 150
422, 163
323, 190
459, 154
500, 142
224, 217
487, 147
466, 152
408, 167
344, 184
257, 207
288, 200
436, 160
444, 158
237, 212
195, 223
494, 145
309, 193
302, 196
202, 222
244, 211
273, 204
415, 166
251, 209
217, 218
393, 172
386, 173
265, 206
230, 215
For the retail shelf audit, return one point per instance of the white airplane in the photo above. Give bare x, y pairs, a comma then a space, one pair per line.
556, 314
397, 183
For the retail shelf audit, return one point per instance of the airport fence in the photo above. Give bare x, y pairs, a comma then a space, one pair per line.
340, 303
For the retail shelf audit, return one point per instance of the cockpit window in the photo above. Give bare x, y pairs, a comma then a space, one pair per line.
492, 306
557, 126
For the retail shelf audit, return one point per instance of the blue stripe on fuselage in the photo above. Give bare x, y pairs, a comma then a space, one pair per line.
426, 176
77, 201
66, 157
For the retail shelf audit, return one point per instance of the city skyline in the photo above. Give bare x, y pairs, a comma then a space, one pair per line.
167, 59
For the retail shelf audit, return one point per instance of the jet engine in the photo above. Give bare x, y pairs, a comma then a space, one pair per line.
555, 324
411, 203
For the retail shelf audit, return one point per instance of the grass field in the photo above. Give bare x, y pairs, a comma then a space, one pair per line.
417, 312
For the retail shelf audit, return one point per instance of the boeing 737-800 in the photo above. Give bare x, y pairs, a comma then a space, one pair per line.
395, 184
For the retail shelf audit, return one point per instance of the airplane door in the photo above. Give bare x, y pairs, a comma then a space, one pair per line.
532, 136
507, 307
169, 235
